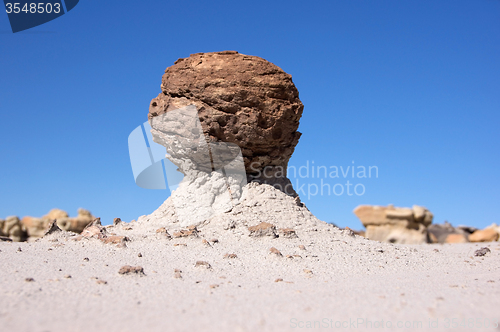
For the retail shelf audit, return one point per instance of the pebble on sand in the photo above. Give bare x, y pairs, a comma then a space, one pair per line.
287, 233
163, 231
190, 232
275, 251
263, 229
203, 264
127, 269
482, 252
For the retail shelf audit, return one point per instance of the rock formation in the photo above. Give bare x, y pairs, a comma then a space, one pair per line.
225, 119
240, 99
36, 227
394, 224
31, 228
484, 235
12, 228
446, 233
455, 238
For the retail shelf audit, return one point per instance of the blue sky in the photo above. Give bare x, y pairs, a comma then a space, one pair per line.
411, 87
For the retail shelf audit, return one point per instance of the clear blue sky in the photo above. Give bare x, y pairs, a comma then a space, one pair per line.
412, 87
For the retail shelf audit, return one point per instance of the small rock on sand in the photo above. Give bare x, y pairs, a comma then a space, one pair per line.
275, 251
115, 239
190, 232
203, 264
287, 233
263, 229
127, 269
482, 252
52, 228
100, 281
163, 231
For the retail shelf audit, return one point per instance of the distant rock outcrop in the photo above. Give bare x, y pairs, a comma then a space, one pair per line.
31, 228
36, 227
484, 235
395, 224
456, 238
446, 233
12, 228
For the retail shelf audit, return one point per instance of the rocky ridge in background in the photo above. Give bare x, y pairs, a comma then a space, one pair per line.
414, 226
395, 224
31, 228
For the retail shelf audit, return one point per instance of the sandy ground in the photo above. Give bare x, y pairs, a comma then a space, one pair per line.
322, 279
338, 282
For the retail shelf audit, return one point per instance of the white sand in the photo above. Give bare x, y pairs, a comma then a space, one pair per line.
354, 282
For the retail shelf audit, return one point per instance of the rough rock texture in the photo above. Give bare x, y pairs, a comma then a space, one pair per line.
202, 195
241, 99
394, 224
260, 204
224, 118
